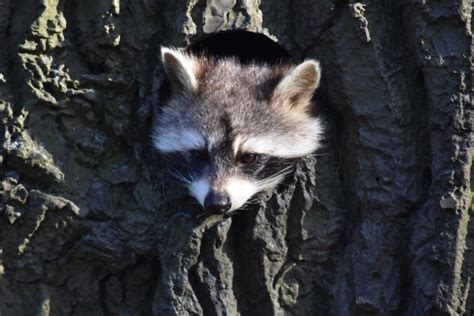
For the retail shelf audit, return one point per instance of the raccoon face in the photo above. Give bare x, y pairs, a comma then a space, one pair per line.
229, 131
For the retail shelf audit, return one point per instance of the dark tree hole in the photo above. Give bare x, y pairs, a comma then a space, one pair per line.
247, 46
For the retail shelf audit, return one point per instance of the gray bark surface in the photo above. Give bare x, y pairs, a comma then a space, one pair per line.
376, 223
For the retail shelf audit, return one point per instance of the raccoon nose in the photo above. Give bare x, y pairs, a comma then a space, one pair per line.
217, 202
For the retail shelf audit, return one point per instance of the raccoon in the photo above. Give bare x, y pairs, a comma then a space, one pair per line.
230, 130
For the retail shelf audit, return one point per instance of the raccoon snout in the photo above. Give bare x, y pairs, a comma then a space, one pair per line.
217, 202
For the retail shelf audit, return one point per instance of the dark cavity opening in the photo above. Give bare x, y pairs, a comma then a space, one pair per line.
246, 46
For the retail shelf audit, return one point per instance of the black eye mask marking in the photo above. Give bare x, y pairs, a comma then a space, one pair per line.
194, 163
189, 165
199, 155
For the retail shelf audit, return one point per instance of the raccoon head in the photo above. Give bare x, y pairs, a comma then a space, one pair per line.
230, 130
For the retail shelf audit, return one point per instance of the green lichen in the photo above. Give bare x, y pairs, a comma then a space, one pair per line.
31, 159
49, 23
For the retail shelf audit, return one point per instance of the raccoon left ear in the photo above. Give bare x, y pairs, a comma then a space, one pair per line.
180, 69
296, 89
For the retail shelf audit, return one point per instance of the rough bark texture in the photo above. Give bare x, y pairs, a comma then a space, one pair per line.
376, 223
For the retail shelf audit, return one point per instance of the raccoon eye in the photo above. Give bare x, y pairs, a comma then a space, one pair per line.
248, 158
200, 155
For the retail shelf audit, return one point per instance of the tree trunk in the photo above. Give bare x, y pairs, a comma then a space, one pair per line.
376, 223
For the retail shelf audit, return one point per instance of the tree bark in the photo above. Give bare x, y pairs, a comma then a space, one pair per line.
375, 223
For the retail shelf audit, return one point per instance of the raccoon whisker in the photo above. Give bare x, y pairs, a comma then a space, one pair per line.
191, 178
269, 181
285, 170
266, 185
178, 175
275, 177
323, 154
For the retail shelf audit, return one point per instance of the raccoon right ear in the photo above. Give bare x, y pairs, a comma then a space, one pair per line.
296, 88
180, 69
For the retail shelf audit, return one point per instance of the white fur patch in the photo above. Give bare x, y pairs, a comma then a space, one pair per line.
178, 139
199, 189
236, 144
240, 191
287, 145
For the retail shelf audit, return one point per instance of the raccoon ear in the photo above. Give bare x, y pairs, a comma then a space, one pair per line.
296, 89
180, 69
